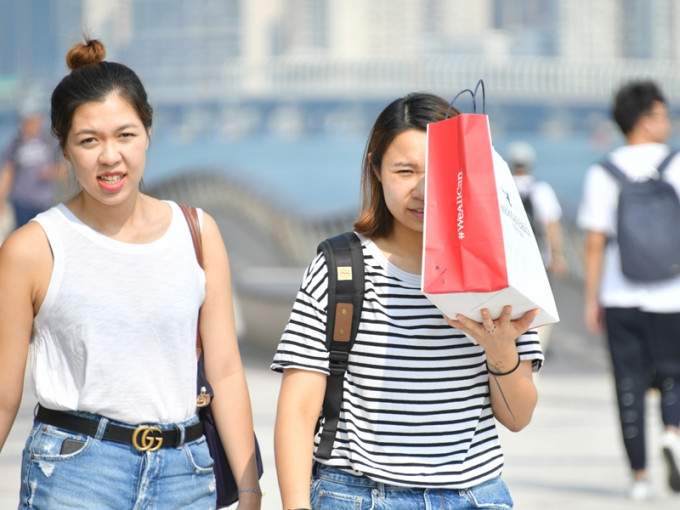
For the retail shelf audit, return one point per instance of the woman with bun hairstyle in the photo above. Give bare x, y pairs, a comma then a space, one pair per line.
103, 293
420, 402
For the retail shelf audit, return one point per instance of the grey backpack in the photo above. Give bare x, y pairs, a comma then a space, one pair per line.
648, 225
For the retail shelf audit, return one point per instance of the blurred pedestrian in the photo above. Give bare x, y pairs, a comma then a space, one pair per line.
545, 216
417, 423
30, 167
542, 205
104, 293
641, 319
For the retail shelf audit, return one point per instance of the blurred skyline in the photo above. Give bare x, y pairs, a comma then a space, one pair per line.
299, 66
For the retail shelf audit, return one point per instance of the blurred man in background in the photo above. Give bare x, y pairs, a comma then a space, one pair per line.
541, 204
641, 319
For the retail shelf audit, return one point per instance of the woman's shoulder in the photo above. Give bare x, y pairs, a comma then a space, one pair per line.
26, 248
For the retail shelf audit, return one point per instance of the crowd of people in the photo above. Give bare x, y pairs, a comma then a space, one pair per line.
420, 404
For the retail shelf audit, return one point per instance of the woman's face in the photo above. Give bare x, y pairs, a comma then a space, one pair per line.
402, 174
106, 147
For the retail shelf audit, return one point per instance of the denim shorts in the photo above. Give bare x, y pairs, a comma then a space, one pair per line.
333, 489
110, 475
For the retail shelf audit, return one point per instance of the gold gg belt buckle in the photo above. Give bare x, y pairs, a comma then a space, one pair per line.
144, 438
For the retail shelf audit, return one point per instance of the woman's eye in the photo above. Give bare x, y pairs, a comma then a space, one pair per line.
86, 141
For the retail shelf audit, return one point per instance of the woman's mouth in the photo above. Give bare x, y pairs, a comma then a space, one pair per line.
111, 182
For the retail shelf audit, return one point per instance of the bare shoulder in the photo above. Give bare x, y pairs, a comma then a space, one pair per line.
210, 231
26, 247
26, 265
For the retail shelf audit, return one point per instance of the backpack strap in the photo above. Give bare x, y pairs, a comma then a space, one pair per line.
623, 178
614, 170
345, 262
667, 161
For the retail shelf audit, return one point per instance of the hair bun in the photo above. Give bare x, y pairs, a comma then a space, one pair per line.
91, 52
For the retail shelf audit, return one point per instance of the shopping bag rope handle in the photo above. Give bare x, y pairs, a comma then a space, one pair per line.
480, 83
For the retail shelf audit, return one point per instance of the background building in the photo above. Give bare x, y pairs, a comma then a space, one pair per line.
299, 61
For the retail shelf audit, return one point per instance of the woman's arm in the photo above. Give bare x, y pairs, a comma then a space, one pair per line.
25, 269
513, 393
223, 367
300, 401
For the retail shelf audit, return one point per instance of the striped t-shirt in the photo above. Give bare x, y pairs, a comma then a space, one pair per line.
416, 409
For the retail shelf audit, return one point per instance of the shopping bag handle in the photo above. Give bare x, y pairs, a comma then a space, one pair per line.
480, 83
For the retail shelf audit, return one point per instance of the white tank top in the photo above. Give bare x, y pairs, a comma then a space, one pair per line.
116, 333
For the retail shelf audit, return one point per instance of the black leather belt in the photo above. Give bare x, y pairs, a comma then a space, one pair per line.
145, 438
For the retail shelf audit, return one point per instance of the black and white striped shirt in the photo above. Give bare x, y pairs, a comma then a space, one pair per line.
416, 409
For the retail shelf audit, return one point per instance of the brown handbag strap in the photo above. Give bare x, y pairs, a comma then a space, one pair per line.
191, 216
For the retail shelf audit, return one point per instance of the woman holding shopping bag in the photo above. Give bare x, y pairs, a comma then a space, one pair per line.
420, 400
103, 293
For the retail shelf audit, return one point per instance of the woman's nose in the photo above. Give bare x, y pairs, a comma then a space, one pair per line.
419, 190
109, 154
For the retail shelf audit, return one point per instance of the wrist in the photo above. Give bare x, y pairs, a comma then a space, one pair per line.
503, 367
251, 491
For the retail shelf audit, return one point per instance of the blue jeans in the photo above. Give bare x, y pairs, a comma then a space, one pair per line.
108, 475
333, 489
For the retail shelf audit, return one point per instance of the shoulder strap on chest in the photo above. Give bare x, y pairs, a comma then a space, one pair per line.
345, 262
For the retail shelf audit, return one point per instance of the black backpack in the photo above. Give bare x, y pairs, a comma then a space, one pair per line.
345, 261
648, 225
536, 227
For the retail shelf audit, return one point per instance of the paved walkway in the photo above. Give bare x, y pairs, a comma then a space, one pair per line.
570, 457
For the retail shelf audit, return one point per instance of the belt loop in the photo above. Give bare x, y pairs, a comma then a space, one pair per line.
181, 429
382, 490
101, 428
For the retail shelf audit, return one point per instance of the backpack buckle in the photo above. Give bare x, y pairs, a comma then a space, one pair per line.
337, 362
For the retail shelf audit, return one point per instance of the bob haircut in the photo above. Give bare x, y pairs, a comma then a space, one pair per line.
413, 111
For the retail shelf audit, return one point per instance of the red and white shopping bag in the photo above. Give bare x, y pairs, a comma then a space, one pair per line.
479, 250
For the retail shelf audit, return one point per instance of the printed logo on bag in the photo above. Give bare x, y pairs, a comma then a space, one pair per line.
517, 221
460, 223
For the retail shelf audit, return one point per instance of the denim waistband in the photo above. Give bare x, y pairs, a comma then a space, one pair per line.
338, 475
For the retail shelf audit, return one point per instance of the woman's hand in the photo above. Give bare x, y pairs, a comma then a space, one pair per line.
496, 337
511, 388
